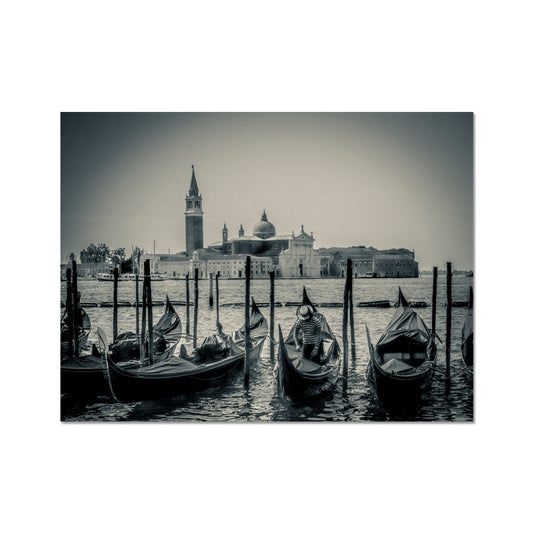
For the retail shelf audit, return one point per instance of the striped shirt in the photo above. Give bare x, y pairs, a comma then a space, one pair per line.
309, 329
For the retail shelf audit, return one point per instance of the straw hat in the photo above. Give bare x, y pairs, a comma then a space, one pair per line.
304, 312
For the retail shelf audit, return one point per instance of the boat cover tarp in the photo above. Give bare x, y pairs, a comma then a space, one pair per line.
128, 345
304, 366
405, 327
165, 332
79, 363
173, 366
394, 366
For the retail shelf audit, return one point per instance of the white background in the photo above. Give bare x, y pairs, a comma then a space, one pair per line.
275, 56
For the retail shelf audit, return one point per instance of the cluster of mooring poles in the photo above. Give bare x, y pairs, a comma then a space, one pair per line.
146, 327
448, 312
73, 316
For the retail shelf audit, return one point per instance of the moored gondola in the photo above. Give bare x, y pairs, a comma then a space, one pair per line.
188, 370
467, 337
81, 373
403, 360
305, 379
84, 376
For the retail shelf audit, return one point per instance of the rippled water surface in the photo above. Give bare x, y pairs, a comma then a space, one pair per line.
229, 400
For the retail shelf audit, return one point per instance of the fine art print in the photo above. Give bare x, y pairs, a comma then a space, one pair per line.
267, 267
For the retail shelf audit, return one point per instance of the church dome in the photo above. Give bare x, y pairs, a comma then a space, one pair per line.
264, 229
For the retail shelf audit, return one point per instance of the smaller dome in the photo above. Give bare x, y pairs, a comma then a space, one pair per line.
264, 229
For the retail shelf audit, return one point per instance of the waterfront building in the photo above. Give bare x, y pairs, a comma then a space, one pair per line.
226, 266
395, 266
371, 263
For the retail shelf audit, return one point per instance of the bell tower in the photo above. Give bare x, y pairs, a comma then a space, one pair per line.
194, 218
224, 234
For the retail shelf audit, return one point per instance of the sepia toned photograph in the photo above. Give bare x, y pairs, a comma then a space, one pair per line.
267, 267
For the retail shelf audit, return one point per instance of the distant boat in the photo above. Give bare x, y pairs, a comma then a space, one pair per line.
460, 304
105, 276
403, 360
418, 304
377, 303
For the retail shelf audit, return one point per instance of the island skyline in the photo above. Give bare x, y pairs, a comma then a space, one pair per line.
382, 180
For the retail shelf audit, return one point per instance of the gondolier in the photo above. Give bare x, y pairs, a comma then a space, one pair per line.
311, 328
298, 376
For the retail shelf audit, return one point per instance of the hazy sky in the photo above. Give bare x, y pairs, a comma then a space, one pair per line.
387, 180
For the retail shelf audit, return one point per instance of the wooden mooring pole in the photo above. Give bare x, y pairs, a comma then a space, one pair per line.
247, 321
70, 314
210, 289
434, 303
345, 326
448, 315
137, 304
143, 324
188, 303
217, 301
115, 304
149, 311
195, 323
272, 304
76, 308
350, 308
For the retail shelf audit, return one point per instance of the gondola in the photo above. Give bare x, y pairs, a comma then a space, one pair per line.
84, 376
467, 337
166, 333
403, 360
188, 370
302, 379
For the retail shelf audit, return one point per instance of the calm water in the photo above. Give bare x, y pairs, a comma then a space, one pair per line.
231, 401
